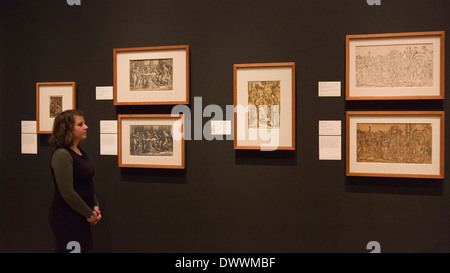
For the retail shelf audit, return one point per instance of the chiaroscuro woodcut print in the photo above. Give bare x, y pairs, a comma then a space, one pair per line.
151, 75
53, 98
56, 105
394, 143
264, 101
394, 66
264, 104
151, 140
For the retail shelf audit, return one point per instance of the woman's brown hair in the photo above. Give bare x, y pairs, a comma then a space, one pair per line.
62, 134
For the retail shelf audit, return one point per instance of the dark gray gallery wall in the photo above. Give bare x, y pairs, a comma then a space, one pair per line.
225, 200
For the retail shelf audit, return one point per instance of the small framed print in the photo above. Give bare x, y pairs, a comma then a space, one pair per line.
53, 98
151, 75
395, 66
264, 101
151, 141
396, 144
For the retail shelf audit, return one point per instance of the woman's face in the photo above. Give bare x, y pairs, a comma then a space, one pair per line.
79, 129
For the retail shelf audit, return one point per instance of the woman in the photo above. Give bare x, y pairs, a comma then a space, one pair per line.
74, 207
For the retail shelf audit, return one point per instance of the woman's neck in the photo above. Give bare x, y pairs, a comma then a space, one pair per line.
75, 148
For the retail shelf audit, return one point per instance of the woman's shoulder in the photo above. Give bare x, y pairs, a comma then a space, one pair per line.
61, 153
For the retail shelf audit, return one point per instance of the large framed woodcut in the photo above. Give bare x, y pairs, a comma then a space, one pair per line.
151, 141
396, 144
264, 101
53, 98
151, 75
395, 66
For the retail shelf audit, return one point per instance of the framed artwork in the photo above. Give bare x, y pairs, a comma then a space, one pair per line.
151, 141
396, 144
53, 98
264, 101
395, 66
151, 75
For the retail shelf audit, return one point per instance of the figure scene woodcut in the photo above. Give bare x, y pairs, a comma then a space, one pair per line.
151, 75
151, 140
55, 105
394, 143
394, 66
264, 104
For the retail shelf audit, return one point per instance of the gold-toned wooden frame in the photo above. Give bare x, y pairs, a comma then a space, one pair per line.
376, 169
180, 94
436, 91
45, 124
178, 157
256, 67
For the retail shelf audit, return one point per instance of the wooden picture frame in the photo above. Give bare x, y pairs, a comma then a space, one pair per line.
151, 75
395, 144
52, 98
151, 141
264, 101
395, 66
